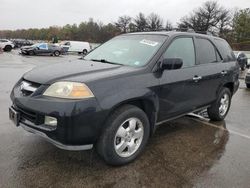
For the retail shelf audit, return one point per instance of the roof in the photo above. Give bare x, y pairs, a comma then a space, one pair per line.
173, 33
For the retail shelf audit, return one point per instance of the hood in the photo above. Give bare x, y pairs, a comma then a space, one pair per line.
79, 71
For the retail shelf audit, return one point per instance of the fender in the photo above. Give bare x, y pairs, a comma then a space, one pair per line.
122, 97
133, 96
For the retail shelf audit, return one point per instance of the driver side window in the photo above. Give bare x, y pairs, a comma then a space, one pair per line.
182, 48
43, 46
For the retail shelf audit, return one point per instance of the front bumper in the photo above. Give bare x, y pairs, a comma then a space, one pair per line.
56, 143
79, 122
23, 52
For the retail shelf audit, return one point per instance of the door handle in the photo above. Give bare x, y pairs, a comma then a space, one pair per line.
223, 72
197, 78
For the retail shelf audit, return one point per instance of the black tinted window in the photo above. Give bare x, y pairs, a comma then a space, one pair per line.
205, 51
182, 48
225, 50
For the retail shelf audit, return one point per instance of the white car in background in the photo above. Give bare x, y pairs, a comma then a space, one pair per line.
76, 46
6, 45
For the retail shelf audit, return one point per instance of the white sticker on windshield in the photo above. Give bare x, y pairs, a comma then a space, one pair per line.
148, 42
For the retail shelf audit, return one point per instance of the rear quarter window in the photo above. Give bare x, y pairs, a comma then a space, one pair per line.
225, 50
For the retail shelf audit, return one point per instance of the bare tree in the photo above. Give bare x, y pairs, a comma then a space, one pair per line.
224, 22
140, 22
155, 22
209, 17
123, 23
132, 27
168, 26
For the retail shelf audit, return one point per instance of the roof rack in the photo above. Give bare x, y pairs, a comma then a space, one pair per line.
189, 30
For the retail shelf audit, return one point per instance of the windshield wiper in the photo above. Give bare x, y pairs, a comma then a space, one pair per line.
105, 61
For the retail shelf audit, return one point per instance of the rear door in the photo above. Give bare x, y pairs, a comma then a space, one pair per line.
210, 69
230, 65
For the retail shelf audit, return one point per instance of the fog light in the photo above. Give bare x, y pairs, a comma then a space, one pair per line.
50, 121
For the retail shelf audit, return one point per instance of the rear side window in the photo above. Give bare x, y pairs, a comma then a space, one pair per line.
206, 51
182, 48
225, 50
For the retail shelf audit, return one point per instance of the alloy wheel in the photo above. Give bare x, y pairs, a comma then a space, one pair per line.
224, 104
128, 137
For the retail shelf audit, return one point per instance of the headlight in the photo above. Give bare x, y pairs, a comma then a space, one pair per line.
68, 90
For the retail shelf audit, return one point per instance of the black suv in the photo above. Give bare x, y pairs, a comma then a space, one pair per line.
116, 96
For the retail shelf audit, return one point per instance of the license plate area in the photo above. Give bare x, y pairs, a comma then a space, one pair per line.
14, 116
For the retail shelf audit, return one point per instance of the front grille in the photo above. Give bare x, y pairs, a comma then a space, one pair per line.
27, 88
30, 115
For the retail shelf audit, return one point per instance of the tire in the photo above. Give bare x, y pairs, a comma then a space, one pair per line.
243, 67
7, 48
220, 108
248, 85
125, 119
84, 52
31, 53
56, 53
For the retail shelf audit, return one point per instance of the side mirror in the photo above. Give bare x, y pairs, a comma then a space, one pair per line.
37, 48
171, 63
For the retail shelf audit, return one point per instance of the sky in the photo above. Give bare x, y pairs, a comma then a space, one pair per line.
23, 14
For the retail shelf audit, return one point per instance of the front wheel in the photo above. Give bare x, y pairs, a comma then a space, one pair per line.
31, 52
7, 48
220, 108
126, 134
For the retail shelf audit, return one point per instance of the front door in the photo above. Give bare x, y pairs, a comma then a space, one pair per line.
42, 48
177, 86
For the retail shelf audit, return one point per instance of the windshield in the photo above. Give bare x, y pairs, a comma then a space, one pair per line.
131, 50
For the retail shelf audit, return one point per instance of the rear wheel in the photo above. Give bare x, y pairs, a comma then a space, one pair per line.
219, 109
56, 53
126, 134
84, 52
7, 48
